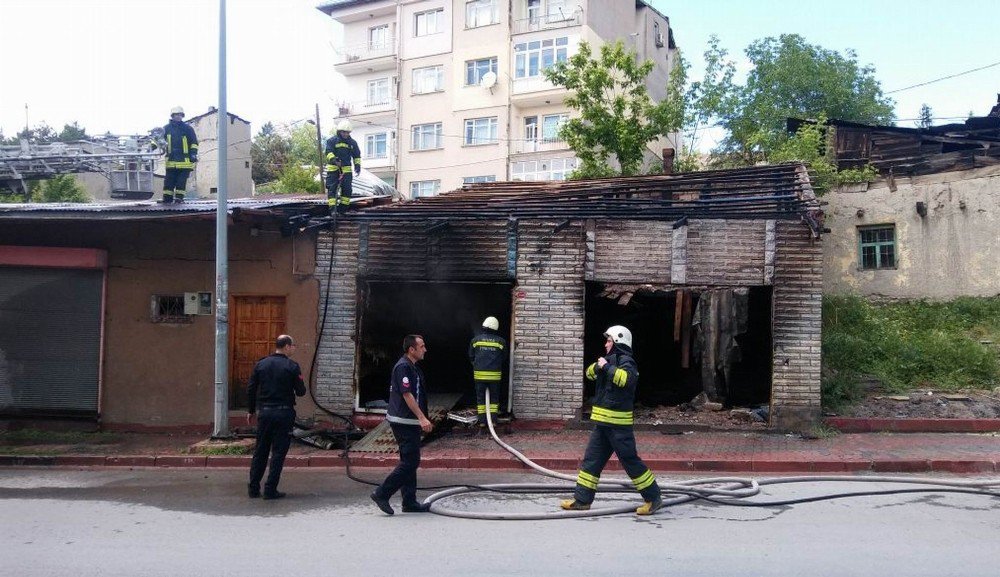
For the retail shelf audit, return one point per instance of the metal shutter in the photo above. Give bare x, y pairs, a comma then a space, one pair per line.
50, 340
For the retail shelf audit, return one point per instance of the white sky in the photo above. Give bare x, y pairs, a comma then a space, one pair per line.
120, 65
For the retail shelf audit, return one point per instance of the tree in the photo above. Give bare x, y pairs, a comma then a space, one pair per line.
269, 153
617, 116
296, 179
304, 146
61, 188
811, 144
926, 117
706, 100
72, 132
789, 78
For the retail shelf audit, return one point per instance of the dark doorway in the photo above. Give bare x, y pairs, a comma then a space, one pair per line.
447, 315
650, 314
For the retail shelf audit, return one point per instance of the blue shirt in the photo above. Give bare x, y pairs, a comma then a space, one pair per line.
406, 378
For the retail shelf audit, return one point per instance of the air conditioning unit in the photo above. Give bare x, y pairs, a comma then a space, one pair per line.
198, 303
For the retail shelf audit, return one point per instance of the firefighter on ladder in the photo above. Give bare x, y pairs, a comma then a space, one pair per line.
487, 351
343, 159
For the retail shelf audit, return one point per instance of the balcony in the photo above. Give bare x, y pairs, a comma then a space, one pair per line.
366, 57
368, 108
529, 146
546, 22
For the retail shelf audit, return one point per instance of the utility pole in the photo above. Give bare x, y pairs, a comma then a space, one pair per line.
221, 429
319, 149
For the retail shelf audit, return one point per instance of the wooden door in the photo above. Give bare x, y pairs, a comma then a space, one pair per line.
256, 321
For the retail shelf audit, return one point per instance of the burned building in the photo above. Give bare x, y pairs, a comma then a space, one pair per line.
717, 274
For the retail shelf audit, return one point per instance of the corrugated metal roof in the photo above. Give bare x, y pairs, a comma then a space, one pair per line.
151, 210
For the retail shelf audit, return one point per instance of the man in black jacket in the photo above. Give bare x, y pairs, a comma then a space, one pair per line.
487, 352
273, 386
617, 376
182, 154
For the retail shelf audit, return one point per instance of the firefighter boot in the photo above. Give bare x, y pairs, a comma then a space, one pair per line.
178, 198
650, 507
574, 505
167, 198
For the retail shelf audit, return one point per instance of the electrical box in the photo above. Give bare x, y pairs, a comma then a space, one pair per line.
198, 303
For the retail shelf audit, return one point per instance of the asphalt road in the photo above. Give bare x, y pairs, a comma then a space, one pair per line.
175, 522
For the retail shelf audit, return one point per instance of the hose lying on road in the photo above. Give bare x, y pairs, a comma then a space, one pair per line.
722, 490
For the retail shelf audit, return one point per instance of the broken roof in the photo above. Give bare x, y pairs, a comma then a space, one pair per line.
780, 191
150, 210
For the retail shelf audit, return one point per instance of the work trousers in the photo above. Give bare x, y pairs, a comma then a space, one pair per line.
274, 428
481, 408
621, 441
175, 181
404, 477
343, 181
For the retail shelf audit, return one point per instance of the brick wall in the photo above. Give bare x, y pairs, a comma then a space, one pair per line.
798, 299
548, 322
335, 361
460, 251
632, 251
725, 252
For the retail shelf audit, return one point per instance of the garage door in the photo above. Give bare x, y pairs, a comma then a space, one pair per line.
50, 338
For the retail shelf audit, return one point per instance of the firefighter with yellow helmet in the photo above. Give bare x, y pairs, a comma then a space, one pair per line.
343, 160
616, 375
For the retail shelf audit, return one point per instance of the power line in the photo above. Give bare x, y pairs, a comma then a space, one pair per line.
945, 78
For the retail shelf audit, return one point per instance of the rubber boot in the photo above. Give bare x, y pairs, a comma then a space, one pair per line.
167, 198
574, 505
650, 507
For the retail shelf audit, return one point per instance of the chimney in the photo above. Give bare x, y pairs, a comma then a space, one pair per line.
668, 161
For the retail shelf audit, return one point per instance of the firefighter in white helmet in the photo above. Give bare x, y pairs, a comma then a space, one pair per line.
487, 352
182, 154
343, 160
616, 375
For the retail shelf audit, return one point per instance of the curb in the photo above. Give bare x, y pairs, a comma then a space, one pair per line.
376, 460
864, 425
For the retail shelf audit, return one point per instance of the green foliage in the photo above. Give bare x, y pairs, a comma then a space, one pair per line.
304, 148
617, 116
269, 153
810, 144
790, 78
908, 344
707, 99
72, 132
61, 188
297, 179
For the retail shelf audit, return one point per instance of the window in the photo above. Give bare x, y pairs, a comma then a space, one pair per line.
657, 37
474, 69
419, 188
427, 136
532, 58
378, 92
481, 131
427, 23
481, 13
378, 37
877, 246
427, 80
553, 169
555, 11
551, 123
376, 145
477, 179
531, 128
168, 309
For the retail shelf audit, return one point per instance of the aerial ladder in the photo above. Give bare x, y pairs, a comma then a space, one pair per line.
126, 161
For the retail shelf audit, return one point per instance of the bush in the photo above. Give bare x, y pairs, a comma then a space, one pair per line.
908, 345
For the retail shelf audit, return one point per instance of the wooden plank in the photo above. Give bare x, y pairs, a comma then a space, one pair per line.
678, 314
380, 439
686, 332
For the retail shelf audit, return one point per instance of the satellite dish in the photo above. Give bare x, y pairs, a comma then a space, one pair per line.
488, 80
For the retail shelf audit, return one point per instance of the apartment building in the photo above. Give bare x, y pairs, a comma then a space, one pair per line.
447, 92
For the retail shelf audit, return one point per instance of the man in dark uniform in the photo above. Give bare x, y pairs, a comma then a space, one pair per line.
342, 153
617, 375
407, 417
273, 386
182, 154
487, 352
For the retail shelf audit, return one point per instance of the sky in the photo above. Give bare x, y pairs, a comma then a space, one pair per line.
120, 65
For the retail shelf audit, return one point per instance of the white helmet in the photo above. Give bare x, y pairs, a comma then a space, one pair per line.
344, 126
491, 323
619, 335
177, 110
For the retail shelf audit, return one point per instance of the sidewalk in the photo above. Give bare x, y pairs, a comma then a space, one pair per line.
725, 452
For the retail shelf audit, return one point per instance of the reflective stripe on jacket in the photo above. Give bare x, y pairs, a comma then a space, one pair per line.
181, 144
342, 154
614, 398
487, 352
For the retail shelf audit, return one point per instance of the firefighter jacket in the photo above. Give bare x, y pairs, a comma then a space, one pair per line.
182, 145
342, 154
487, 351
616, 385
